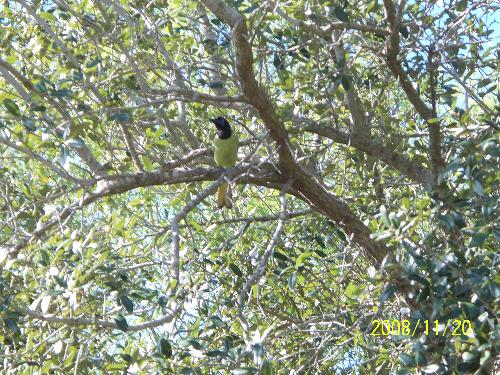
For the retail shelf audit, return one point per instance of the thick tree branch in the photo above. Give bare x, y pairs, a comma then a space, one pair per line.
305, 182
255, 95
410, 168
264, 174
342, 215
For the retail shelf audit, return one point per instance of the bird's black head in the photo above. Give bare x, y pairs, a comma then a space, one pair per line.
223, 127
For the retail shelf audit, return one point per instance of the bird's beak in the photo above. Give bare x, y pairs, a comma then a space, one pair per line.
212, 120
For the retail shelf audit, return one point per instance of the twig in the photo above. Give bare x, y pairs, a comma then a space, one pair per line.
261, 267
174, 226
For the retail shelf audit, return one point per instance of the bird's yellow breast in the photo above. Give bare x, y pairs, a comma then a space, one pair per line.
226, 151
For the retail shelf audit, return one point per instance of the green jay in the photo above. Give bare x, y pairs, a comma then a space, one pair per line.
225, 154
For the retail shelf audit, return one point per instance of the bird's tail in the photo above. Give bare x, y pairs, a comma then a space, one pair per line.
224, 196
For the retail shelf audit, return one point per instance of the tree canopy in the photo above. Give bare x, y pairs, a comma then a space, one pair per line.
364, 232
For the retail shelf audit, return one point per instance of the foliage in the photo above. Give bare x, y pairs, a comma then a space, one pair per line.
113, 256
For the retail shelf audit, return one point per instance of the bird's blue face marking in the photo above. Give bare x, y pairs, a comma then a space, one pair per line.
220, 123
223, 128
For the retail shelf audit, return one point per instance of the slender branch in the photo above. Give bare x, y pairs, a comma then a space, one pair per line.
413, 96
264, 218
98, 323
266, 176
81, 150
131, 148
360, 128
326, 31
59, 171
261, 267
467, 89
174, 226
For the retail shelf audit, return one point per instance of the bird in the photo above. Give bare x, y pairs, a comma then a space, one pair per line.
225, 154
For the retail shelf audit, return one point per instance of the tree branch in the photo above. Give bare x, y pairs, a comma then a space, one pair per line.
261, 267
112, 185
326, 31
422, 109
98, 323
174, 226
410, 168
255, 95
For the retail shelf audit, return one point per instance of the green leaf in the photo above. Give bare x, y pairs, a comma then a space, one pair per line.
93, 62
484, 82
164, 347
218, 322
387, 293
403, 30
40, 86
446, 220
60, 93
341, 235
61, 282
319, 241
29, 124
406, 203
340, 13
345, 82
281, 256
194, 343
121, 323
75, 130
478, 188
384, 216
77, 76
121, 117
321, 253
354, 290
478, 239
12, 325
216, 85
127, 304
250, 9
148, 164
406, 360
301, 259
266, 368
235, 269
12, 107
45, 258
215, 353
38, 108
471, 311
162, 301
46, 367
